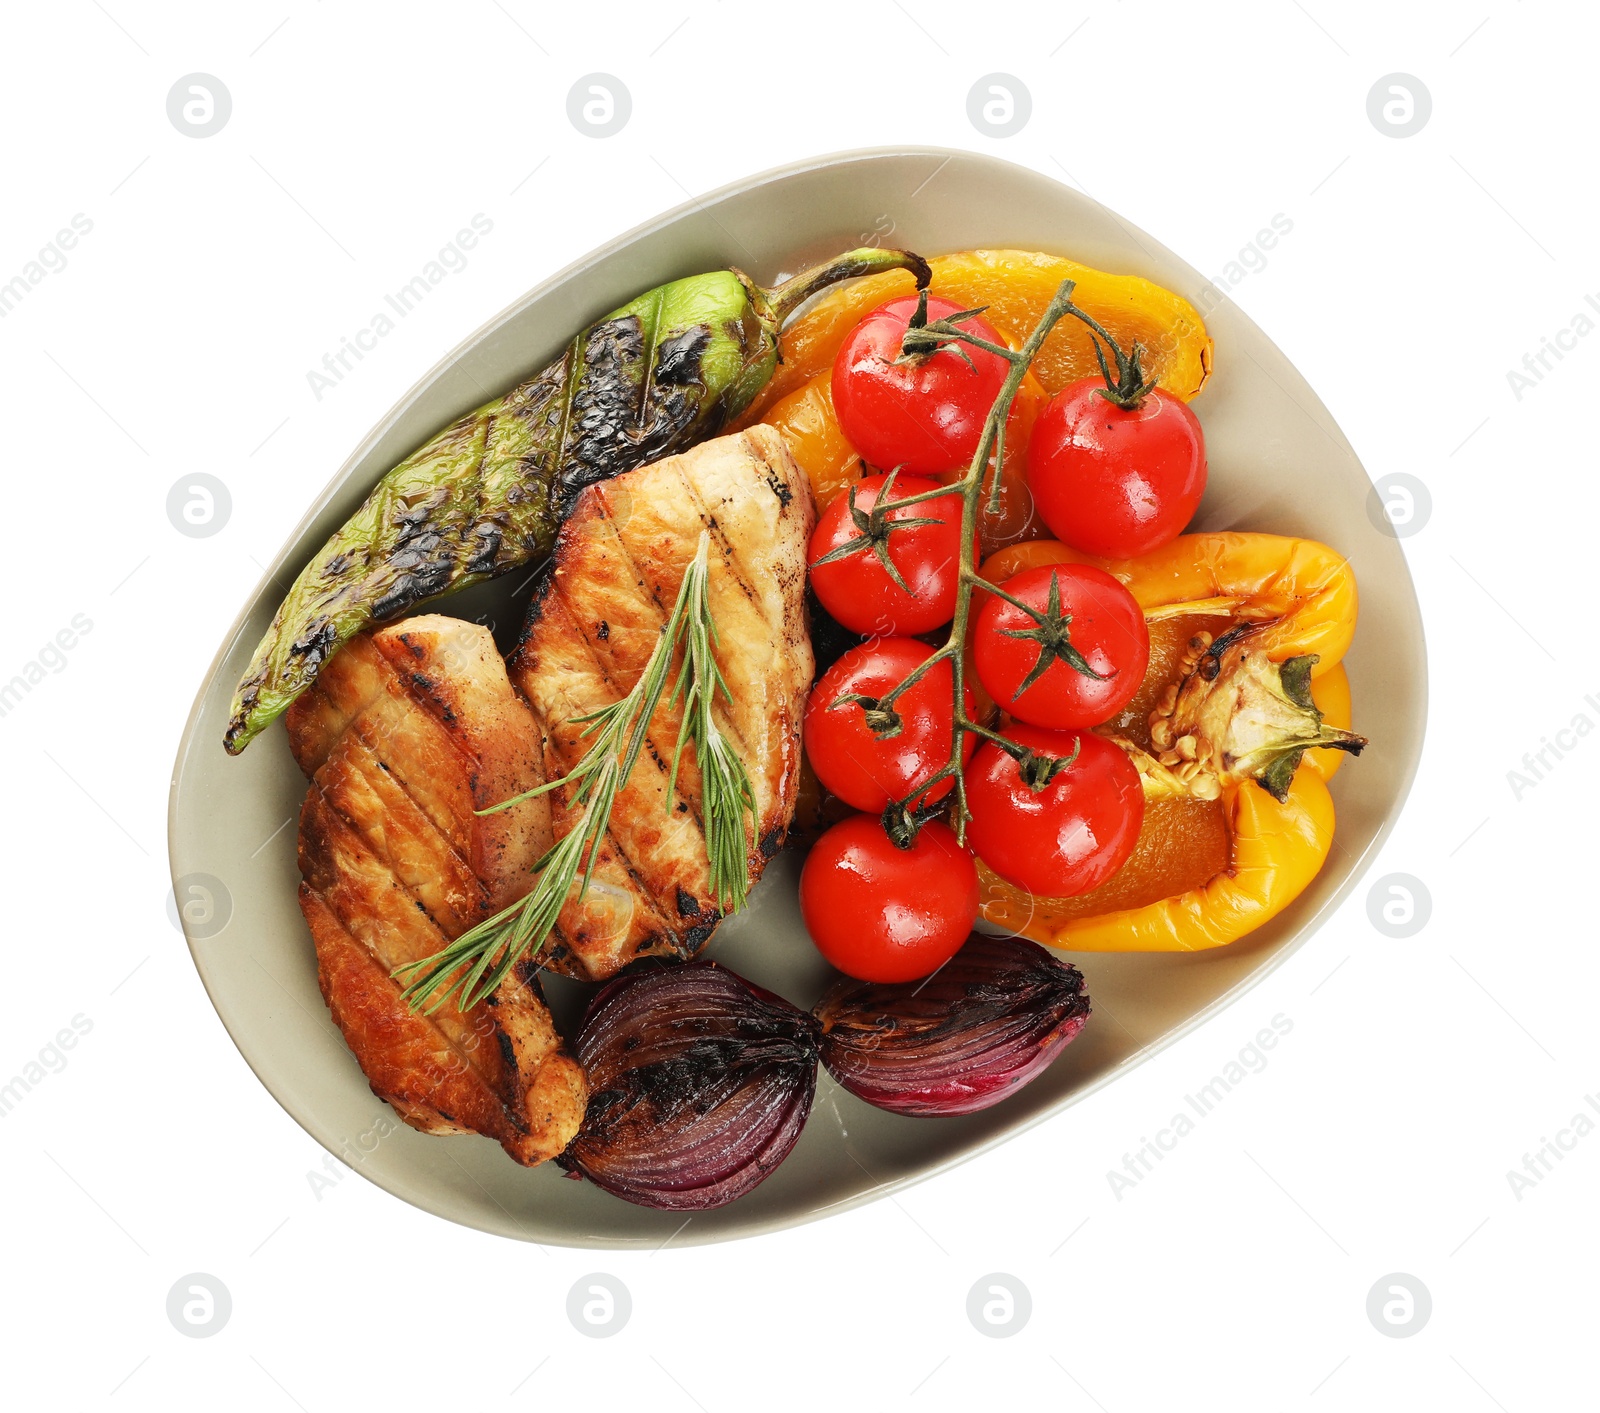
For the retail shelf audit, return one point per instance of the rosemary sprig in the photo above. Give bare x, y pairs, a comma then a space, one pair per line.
473, 965
726, 794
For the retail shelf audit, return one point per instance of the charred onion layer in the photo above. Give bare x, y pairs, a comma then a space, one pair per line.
983, 1025
699, 1085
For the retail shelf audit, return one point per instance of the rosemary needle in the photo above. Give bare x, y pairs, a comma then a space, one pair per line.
473, 965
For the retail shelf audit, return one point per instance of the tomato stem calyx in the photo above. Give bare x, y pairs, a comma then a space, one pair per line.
903, 820
1037, 771
874, 526
1130, 387
1052, 632
878, 713
922, 340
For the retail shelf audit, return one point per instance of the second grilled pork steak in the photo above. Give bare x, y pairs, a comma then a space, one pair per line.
619, 561
406, 734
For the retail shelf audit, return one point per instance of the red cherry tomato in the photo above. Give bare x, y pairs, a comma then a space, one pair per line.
881, 913
867, 771
1097, 623
1066, 838
857, 589
1112, 481
924, 416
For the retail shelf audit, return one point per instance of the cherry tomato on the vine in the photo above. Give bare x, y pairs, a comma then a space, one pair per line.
1071, 835
1082, 660
922, 542
926, 414
1113, 481
864, 769
882, 913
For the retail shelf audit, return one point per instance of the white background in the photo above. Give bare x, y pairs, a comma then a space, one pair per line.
177, 340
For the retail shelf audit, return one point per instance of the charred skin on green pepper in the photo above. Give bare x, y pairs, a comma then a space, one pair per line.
488, 493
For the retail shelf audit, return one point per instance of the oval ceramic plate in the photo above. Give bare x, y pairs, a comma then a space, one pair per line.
1278, 464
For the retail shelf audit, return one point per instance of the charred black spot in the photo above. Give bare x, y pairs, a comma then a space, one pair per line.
678, 359
782, 490
687, 906
623, 415
771, 841
695, 938
534, 615
483, 551
249, 695
314, 645
508, 1051
696, 1076
603, 632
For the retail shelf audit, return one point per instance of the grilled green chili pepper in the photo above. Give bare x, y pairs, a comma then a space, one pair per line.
488, 493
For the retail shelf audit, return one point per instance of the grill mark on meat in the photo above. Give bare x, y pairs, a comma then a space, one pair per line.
341, 840
386, 747
622, 573
419, 729
737, 569
686, 800
645, 891
417, 1092
740, 574
643, 895
604, 662
695, 938
389, 787
662, 739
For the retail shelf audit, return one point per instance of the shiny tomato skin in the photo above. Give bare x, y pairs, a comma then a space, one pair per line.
1069, 837
858, 591
1115, 482
862, 770
927, 416
1107, 627
881, 913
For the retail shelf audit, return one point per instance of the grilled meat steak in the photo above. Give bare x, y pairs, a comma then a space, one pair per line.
619, 561
408, 731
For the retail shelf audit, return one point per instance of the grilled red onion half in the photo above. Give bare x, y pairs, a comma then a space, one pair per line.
699, 1085
992, 1018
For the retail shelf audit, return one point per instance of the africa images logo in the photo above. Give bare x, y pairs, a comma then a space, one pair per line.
1251, 1059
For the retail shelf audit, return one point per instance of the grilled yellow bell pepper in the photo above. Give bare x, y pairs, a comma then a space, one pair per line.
1014, 287
1230, 731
